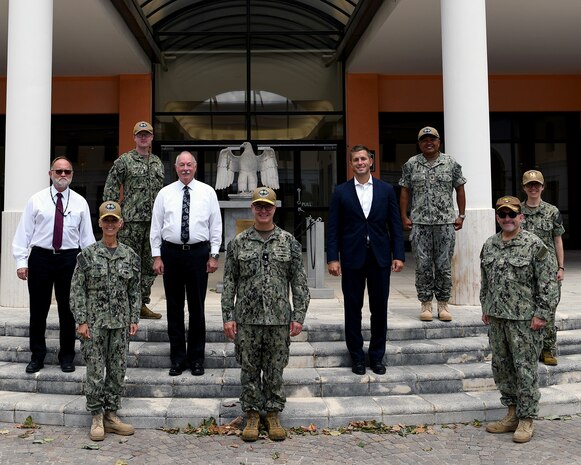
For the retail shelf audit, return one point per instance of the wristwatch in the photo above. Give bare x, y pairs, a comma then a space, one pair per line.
462, 216
215, 256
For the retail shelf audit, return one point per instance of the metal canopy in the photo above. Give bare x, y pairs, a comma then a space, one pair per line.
328, 27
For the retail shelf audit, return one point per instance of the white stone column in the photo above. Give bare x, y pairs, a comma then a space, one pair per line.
28, 114
467, 135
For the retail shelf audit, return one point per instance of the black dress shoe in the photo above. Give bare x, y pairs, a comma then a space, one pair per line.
377, 367
68, 367
34, 366
358, 368
176, 369
197, 369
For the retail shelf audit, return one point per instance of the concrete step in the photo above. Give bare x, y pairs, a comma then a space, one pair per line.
403, 324
324, 412
304, 354
223, 383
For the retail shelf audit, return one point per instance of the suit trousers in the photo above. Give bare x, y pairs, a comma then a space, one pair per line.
45, 270
353, 285
185, 275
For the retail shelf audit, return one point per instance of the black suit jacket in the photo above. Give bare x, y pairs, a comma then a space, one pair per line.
348, 228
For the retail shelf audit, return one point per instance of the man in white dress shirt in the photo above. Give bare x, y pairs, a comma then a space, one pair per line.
55, 225
186, 233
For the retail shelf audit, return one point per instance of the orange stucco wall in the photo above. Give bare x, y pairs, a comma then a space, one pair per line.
130, 96
425, 94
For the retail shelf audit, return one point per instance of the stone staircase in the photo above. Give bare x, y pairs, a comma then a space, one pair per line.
437, 373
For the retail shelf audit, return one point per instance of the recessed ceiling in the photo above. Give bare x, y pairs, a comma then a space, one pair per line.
524, 37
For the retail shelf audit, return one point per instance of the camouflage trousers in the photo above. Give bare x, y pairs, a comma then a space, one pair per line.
515, 360
550, 335
106, 359
433, 247
262, 352
136, 235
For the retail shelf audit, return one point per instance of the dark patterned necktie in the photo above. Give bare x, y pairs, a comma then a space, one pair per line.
185, 234
57, 234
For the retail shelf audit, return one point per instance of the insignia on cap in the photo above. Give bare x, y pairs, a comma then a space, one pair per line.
110, 206
263, 192
143, 124
427, 130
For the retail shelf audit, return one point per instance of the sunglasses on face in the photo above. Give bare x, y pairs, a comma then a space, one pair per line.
59, 172
511, 214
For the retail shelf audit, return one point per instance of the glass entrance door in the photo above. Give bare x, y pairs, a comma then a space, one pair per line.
307, 176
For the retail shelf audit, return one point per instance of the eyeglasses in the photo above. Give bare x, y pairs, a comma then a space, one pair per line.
511, 214
262, 206
143, 134
59, 172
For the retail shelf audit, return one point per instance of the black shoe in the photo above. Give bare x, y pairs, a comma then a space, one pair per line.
377, 367
67, 367
34, 366
197, 369
176, 369
358, 368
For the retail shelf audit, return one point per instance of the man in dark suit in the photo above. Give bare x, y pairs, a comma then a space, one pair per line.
364, 244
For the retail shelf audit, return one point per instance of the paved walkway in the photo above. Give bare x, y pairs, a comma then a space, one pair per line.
556, 442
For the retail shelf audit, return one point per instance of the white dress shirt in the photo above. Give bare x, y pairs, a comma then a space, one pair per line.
36, 225
205, 216
365, 194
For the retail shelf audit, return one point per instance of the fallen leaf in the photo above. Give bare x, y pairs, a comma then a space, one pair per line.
4, 432
121, 462
92, 446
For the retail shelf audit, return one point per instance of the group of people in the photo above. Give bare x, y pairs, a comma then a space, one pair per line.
103, 288
521, 267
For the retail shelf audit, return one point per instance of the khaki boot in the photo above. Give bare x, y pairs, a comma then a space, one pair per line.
525, 430
275, 431
113, 424
97, 431
250, 432
443, 313
508, 424
147, 314
548, 358
426, 312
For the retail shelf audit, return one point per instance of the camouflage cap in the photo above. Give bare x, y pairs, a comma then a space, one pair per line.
508, 201
110, 208
532, 176
428, 131
142, 126
264, 195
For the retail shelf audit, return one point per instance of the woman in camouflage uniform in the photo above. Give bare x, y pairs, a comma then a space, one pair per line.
105, 301
545, 221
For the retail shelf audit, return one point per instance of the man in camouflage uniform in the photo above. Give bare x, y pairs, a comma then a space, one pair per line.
428, 180
516, 289
262, 263
545, 220
105, 301
141, 174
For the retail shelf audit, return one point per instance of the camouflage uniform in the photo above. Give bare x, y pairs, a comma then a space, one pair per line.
517, 282
546, 222
141, 178
257, 277
105, 294
431, 186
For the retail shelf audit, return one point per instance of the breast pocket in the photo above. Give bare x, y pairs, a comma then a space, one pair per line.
124, 272
97, 277
72, 220
249, 263
519, 269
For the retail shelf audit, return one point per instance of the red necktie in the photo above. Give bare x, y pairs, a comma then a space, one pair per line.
57, 235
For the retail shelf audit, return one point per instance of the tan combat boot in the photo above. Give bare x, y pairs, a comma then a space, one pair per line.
443, 313
250, 432
508, 424
426, 312
97, 431
275, 431
113, 424
525, 430
548, 358
147, 314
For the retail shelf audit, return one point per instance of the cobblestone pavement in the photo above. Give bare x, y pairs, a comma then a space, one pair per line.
556, 442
